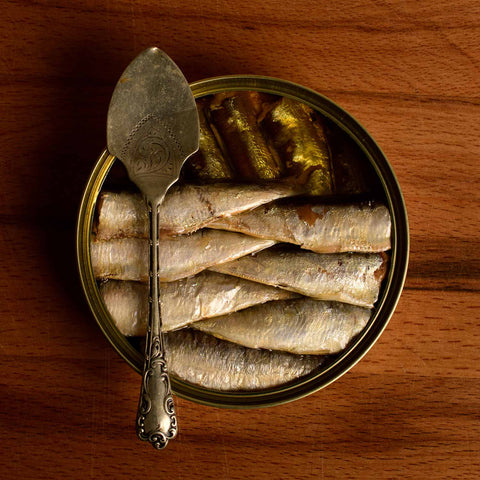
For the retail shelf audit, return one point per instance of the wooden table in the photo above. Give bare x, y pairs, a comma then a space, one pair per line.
409, 72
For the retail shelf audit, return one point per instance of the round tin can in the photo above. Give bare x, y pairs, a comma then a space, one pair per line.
389, 295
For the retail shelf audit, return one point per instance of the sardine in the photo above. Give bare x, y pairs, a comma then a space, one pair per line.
302, 326
179, 257
236, 117
186, 208
209, 163
120, 259
203, 360
320, 228
298, 135
121, 215
204, 295
127, 303
353, 278
209, 294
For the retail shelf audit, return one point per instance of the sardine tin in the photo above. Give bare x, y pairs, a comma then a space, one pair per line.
389, 295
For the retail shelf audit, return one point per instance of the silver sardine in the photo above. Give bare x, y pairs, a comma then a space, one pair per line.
121, 215
302, 326
209, 294
127, 303
204, 295
186, 208
353, 278
203, 360
320, 228
179, 257
120, 259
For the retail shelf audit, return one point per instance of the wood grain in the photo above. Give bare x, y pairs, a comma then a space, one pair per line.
408, 71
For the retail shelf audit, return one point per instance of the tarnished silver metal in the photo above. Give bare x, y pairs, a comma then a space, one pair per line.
153, 128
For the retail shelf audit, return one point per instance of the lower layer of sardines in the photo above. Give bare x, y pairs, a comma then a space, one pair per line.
274, 245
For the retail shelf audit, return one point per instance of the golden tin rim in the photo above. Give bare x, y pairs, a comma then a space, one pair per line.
385, 305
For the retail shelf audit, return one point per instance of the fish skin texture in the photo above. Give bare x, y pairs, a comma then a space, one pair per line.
210, 294
353, 278
203, 360
191, 207
235, 117
121, 215
208, 163
319, 228
297, 134
120, 259
204, 295
302, 326
127, 303
179, 257
186, 208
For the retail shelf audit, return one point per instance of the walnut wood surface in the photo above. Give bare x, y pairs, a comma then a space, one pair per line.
409, 72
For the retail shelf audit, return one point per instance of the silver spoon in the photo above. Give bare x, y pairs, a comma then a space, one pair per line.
152, 127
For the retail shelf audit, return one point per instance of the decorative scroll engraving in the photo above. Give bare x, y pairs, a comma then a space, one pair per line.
153, 148
155, 359
156, 419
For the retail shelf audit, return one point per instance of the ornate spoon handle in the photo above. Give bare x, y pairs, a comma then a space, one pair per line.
156, 419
